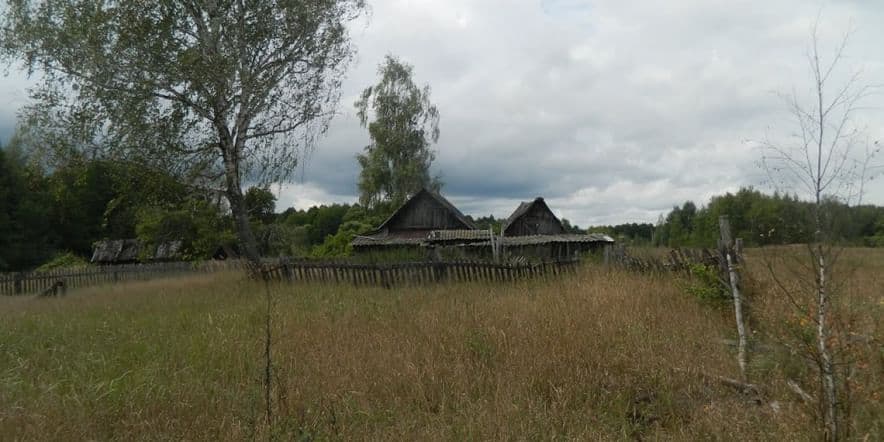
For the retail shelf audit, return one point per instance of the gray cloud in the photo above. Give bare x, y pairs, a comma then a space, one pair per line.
614, 110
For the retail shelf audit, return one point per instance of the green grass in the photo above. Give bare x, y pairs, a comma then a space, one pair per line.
598, 356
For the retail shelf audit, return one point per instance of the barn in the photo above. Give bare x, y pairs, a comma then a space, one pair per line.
533, 230
411, 224
533, 218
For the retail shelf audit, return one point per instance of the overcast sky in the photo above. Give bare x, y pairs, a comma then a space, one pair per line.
613, 110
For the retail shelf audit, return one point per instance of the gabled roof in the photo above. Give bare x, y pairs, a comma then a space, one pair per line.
524, 208
441, 200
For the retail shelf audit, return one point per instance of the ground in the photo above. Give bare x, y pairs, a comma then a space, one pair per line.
601, 355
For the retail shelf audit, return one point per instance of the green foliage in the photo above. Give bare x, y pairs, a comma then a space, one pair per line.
569, 228
260, 204
26, 234
705, 285
761, 219
199, 225
488, 222
396, 164
338, 245
213, 89
311, 227
63, 260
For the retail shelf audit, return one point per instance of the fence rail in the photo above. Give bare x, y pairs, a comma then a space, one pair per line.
414, 273
28, 283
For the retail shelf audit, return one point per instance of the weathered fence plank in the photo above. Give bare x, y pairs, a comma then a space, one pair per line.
416, 273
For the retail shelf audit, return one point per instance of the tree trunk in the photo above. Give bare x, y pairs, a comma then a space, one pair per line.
247, 243
827, 366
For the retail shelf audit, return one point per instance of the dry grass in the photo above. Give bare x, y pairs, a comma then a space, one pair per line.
599, 356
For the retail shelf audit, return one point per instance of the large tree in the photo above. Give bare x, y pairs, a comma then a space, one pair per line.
226, 90
402, 122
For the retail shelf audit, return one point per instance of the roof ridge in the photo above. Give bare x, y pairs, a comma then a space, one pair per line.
441, 200
524, 207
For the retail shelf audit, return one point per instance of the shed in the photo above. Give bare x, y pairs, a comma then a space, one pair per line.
410, 225
533, 218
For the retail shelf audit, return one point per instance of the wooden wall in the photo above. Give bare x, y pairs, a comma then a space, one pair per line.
537, 221
424, 213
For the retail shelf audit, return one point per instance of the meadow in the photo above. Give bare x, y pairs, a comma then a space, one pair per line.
600, 355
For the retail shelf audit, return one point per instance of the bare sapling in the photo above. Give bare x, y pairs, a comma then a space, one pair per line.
822, 164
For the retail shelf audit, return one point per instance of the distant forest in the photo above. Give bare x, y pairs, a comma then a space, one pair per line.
759, 219
52, 216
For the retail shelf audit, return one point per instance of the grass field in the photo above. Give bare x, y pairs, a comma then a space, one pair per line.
602, 355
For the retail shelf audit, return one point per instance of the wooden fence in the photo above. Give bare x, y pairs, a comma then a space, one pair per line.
383, 275
676, 260
28, 283
415, 273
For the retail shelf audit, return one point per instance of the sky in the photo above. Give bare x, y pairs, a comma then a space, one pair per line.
612, 110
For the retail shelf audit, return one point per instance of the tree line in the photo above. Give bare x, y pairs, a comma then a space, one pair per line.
761, 219
56, 215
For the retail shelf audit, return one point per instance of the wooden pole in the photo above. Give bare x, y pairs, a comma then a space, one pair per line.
734, 278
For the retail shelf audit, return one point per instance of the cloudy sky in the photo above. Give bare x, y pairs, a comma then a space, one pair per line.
613, 110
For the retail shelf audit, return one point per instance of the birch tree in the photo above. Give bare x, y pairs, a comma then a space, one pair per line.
402, 122
228, 90
824, 163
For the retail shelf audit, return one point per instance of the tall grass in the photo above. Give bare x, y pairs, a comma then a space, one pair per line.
597, 356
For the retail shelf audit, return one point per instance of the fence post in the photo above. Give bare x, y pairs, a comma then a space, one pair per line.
286, 268
17, 282
437, 271
727, 248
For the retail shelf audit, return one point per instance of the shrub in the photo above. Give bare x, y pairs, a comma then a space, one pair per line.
63, 260
705, 285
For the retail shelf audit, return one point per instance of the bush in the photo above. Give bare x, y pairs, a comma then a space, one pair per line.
63, 260
704, 284
338, 245
199, 225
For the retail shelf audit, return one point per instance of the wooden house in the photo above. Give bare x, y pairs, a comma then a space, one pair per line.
533, 218
411, 224
533, 230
